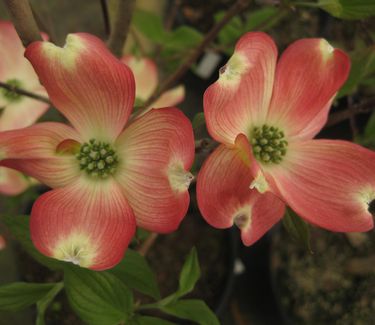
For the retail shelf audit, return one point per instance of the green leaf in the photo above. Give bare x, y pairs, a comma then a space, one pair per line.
183, 38
135, 272
368, 137
150, 25
43, 303
19, 227
261, 17
148, 320
370, 128
232, 31
98, 298
192, 309
198, 121
19, 295
190, 274
362, 65
297, 228
235, 28
348, 9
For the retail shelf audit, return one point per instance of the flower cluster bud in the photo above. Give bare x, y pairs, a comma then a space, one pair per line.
269, 144
97, 159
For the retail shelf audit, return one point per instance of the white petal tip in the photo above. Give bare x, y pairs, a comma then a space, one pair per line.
242, 219
76, 249
179, 178
326, 49
231, 73
260, 184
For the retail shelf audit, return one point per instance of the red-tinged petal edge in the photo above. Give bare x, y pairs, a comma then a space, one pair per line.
145, 74
225, 198
10, 51
308, 75
32, 151
241, 96
22, 114
91, 87
86, 223
329, 183
156, 152
170, 98
12, 182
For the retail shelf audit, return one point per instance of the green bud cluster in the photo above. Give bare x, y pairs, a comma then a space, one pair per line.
10, 95
269, 145
97, 159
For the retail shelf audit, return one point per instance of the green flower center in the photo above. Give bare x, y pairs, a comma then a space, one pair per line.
97, 159
11, 95
269, 144
371, 207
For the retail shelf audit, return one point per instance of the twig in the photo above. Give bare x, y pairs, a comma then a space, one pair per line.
107, 27
24, 92
352, 112
137, 41
23, 20
361, 108
43, 26
210, 36
172, 14
147, 244
366, 35
123, 14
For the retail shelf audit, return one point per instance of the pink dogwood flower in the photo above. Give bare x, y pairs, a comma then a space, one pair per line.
265, 115
16, 111
146, 81
107, 175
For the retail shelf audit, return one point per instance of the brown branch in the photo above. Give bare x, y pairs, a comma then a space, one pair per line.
352, 111
24, 92
137, 41
171, 17
239, 6
23, 20
43, 26
107, 27
364, 107
120, 26
147, 244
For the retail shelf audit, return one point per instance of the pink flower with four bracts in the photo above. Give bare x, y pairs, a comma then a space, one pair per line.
265, 116
106, 179
16, 111
146, 81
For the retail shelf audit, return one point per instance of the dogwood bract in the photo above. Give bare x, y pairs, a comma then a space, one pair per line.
146, 81
106, 178
16, 111
265, 116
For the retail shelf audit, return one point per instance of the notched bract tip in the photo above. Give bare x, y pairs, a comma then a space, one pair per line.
371, 207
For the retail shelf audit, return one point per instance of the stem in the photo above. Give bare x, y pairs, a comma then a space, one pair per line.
305, 4
107, 27
361, 108
23, 20
239, 6
44, 27
147, 244
24, 92
137, 41
352, 115
172, 15
123, 14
